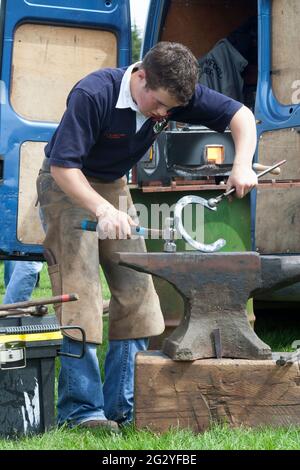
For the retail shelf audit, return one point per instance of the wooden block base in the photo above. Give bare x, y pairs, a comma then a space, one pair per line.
196, 394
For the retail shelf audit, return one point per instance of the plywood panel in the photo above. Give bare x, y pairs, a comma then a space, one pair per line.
285, 48
278, 220
48, 60
29, 228
199, 24
277, 145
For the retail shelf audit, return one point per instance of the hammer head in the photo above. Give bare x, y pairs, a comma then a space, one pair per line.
212, 203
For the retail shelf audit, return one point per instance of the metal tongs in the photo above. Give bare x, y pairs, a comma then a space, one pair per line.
212, 202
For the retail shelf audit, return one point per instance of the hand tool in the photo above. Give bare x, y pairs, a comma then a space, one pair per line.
91, 226
168, 234
212, 202
13, 353
260, 167
39, 304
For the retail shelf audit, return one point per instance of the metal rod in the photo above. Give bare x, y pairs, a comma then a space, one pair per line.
213, 201
49, 300
270, 168
8, 313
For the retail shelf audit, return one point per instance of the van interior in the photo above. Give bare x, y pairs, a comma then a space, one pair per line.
202, 24
222, 34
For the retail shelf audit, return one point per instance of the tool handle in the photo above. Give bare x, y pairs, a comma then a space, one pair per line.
91, 226
88, 225
230, 191
260, 167
268, 169
271, 168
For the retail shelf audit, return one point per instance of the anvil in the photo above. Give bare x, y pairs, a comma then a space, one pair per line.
215, 288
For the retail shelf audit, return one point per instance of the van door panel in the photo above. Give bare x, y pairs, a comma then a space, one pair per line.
277, 216
47, 62
278, 219
29, 229
285, 48
47, 46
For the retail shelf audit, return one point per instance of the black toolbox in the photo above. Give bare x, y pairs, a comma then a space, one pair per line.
27, 380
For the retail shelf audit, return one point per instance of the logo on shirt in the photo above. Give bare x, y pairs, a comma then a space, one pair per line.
160, 125
114, 136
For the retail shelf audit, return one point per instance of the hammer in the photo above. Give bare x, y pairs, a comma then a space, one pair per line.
168, 234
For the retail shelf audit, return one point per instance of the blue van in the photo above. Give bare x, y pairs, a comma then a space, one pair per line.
48, 45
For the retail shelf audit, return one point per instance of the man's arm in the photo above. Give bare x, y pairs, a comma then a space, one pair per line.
243, 130
114, 223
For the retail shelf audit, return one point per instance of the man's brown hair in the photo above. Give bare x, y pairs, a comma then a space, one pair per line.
171, 66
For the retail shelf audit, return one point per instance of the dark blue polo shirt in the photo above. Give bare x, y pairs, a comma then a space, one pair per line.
100, 139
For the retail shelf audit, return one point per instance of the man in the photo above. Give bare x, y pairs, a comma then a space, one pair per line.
112, 118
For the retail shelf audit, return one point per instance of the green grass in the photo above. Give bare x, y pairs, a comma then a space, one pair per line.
276, 330
217, 438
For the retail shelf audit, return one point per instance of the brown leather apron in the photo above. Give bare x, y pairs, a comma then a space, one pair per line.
134, 310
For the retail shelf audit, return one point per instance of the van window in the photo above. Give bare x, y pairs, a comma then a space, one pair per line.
48, 60
285, 51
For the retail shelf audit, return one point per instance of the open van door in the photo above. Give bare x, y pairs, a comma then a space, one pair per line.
47, 46
277, 213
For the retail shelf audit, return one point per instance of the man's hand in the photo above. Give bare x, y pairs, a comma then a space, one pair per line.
243, 179
112, 223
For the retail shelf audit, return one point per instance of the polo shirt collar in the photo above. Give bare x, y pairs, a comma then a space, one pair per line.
125, 98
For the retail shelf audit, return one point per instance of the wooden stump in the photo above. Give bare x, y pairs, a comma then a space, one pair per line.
197, 394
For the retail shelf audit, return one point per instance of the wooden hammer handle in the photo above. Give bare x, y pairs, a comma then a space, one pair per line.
259, 167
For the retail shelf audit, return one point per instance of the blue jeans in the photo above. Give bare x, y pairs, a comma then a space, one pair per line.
81, 396
20, 278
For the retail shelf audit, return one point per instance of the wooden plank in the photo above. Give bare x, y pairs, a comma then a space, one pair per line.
278, 220
285, 48
279, 185
279, 144
29, 229
199, 25
196, 394
180, 187
279, 233
48, 60
273, 184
